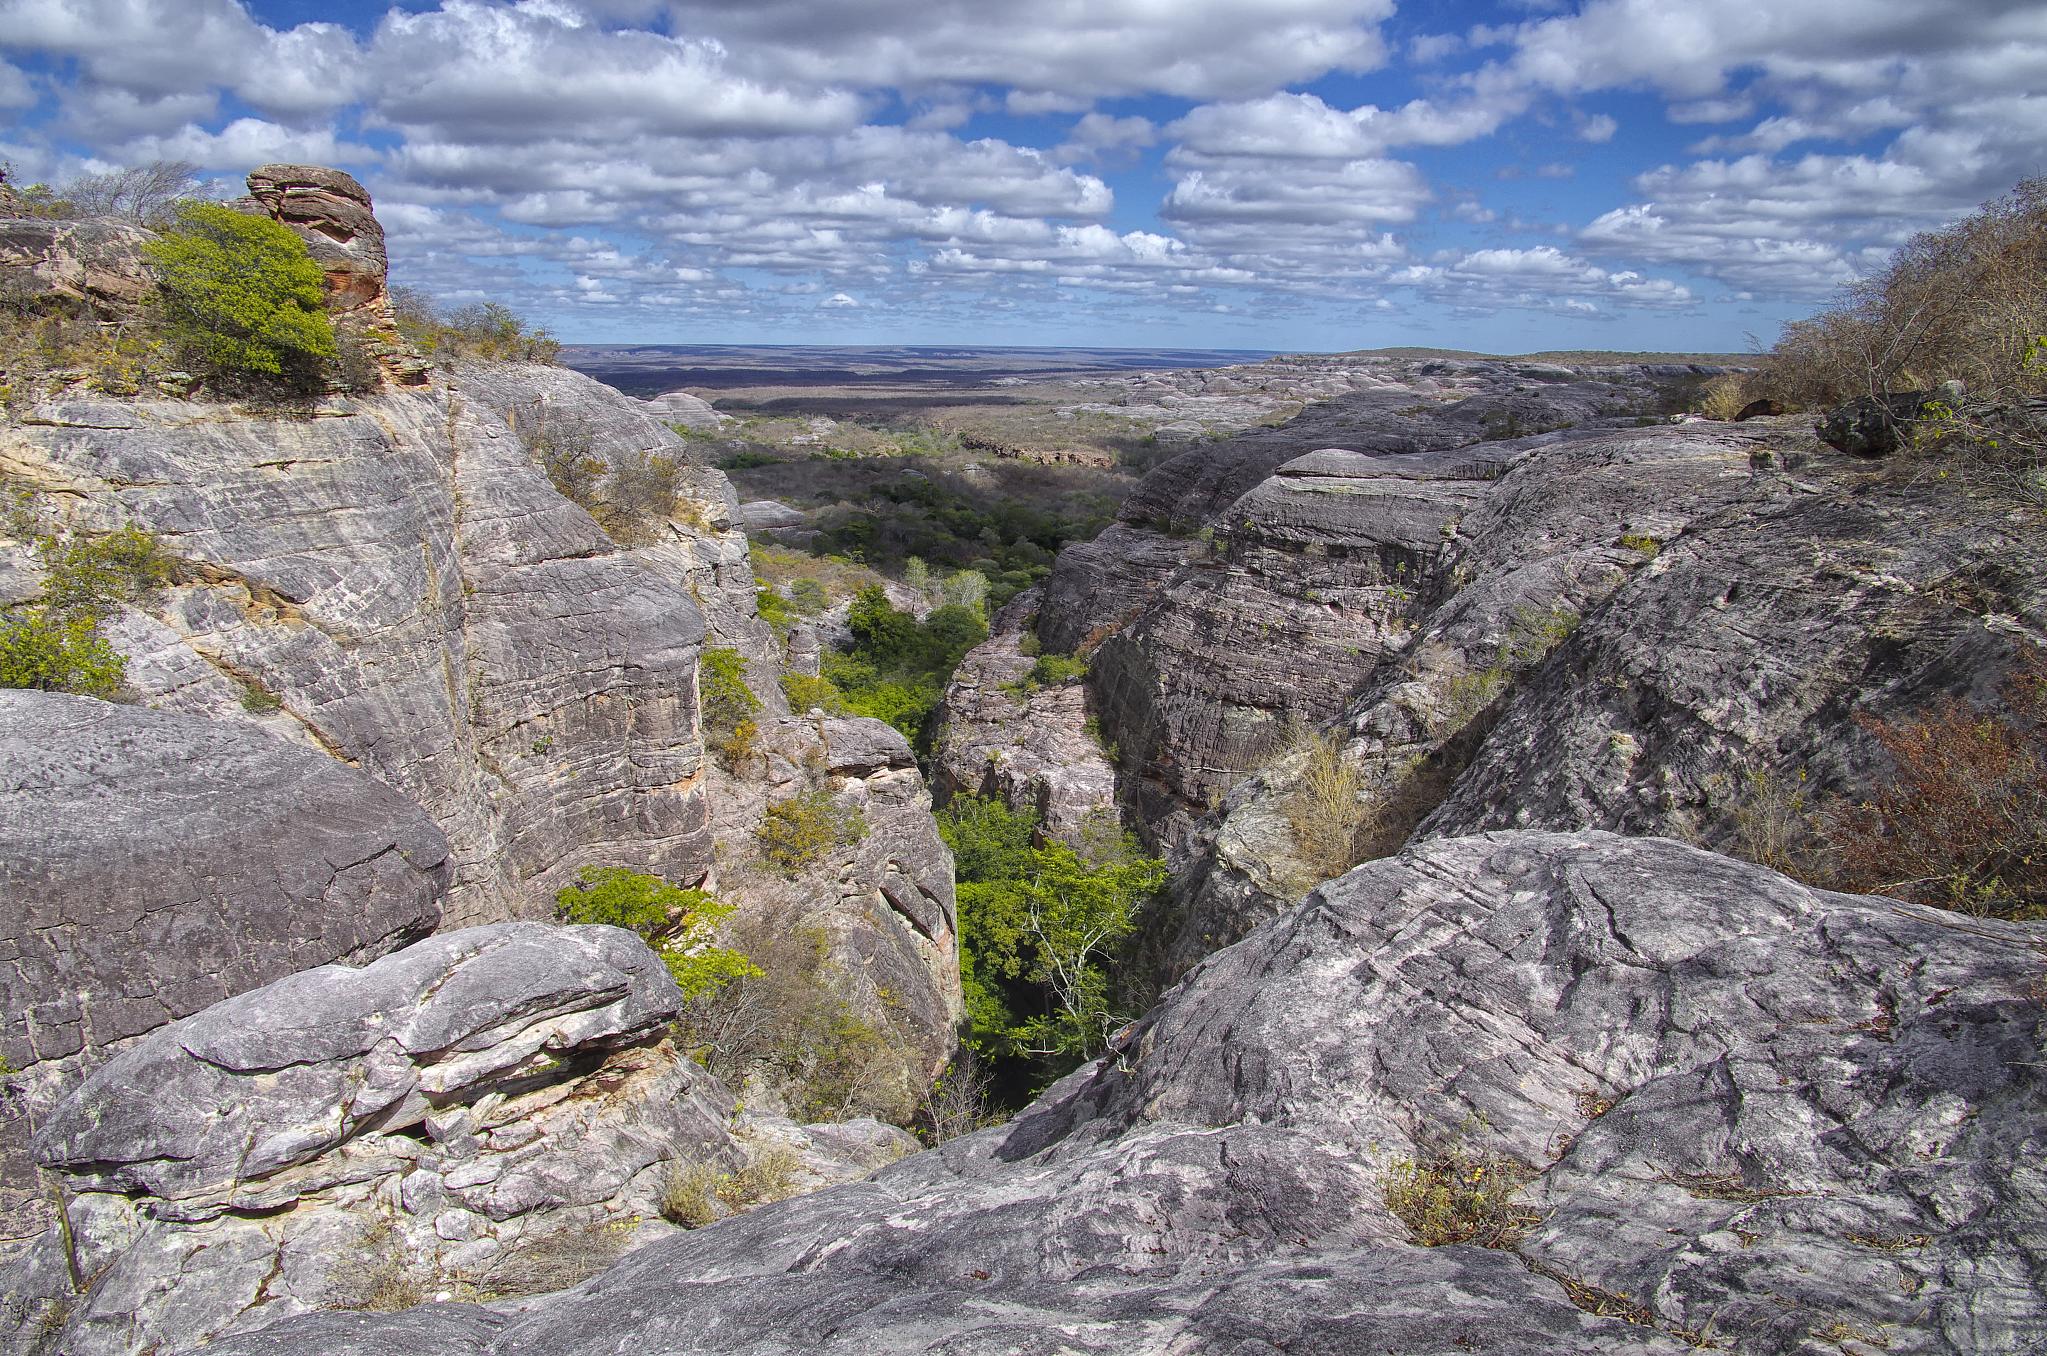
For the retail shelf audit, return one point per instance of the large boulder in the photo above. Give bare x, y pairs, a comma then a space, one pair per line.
1872, 426
1712, 1106
473, 1113
153, 864
333, 214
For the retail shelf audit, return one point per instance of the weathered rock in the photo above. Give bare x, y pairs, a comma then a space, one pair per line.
399, 583
1871, 426
332, 213
1029, 748
488, 1111
1748, 1112
91, 266
692, 412
154, 864
883, 905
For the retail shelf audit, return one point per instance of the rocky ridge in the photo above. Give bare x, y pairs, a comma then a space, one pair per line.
1740, 1112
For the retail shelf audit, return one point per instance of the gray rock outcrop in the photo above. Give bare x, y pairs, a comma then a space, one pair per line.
93, 266
395, 582
154, 864
479, 1113
1718, 1107
1028, 748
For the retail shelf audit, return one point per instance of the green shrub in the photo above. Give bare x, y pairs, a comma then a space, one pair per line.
773, 608
727, 706
809, 596
49, 652
240, 298
1040, 924
797, 832
805, 692
1050, 670
681, 924
57, 646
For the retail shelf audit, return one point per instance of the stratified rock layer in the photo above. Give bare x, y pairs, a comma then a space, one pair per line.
1749, 1113
395, 581
154, 864
474, 1112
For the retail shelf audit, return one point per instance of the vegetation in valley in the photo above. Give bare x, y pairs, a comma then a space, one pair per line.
1043, 925
897, 666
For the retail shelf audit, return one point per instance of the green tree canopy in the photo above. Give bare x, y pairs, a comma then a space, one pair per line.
240, 297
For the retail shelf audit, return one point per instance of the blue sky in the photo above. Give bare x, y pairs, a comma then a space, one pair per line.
1286, 174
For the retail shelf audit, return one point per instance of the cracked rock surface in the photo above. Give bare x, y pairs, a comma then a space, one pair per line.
1747, 1112
153, 864
488, 1111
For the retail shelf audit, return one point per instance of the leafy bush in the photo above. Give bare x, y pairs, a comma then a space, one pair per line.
490, 332
681, 924
49, 652
773, 608
726, 705
809, 596
797, 832
806, 692
694, 1194
1051, 670
898, 666
57, 646
241, 299
1963, 824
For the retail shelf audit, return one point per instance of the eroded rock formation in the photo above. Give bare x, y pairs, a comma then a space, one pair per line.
153, 864
454, 1115
1741, 1111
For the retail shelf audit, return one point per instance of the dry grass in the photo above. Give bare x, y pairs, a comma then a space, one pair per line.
1963, 824
1324, 808
1456, 1196
695, 1194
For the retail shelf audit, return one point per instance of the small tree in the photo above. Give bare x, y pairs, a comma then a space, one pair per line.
145, 194
681, 924
241, 298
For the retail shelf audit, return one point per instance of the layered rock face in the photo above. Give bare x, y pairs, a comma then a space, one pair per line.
465, 1114
153, 864
1029, 748
1740, 1111
398, 583
333, 214
1257, 584
83, 266
1653, 629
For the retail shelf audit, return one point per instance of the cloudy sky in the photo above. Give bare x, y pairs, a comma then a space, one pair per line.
1288, 174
